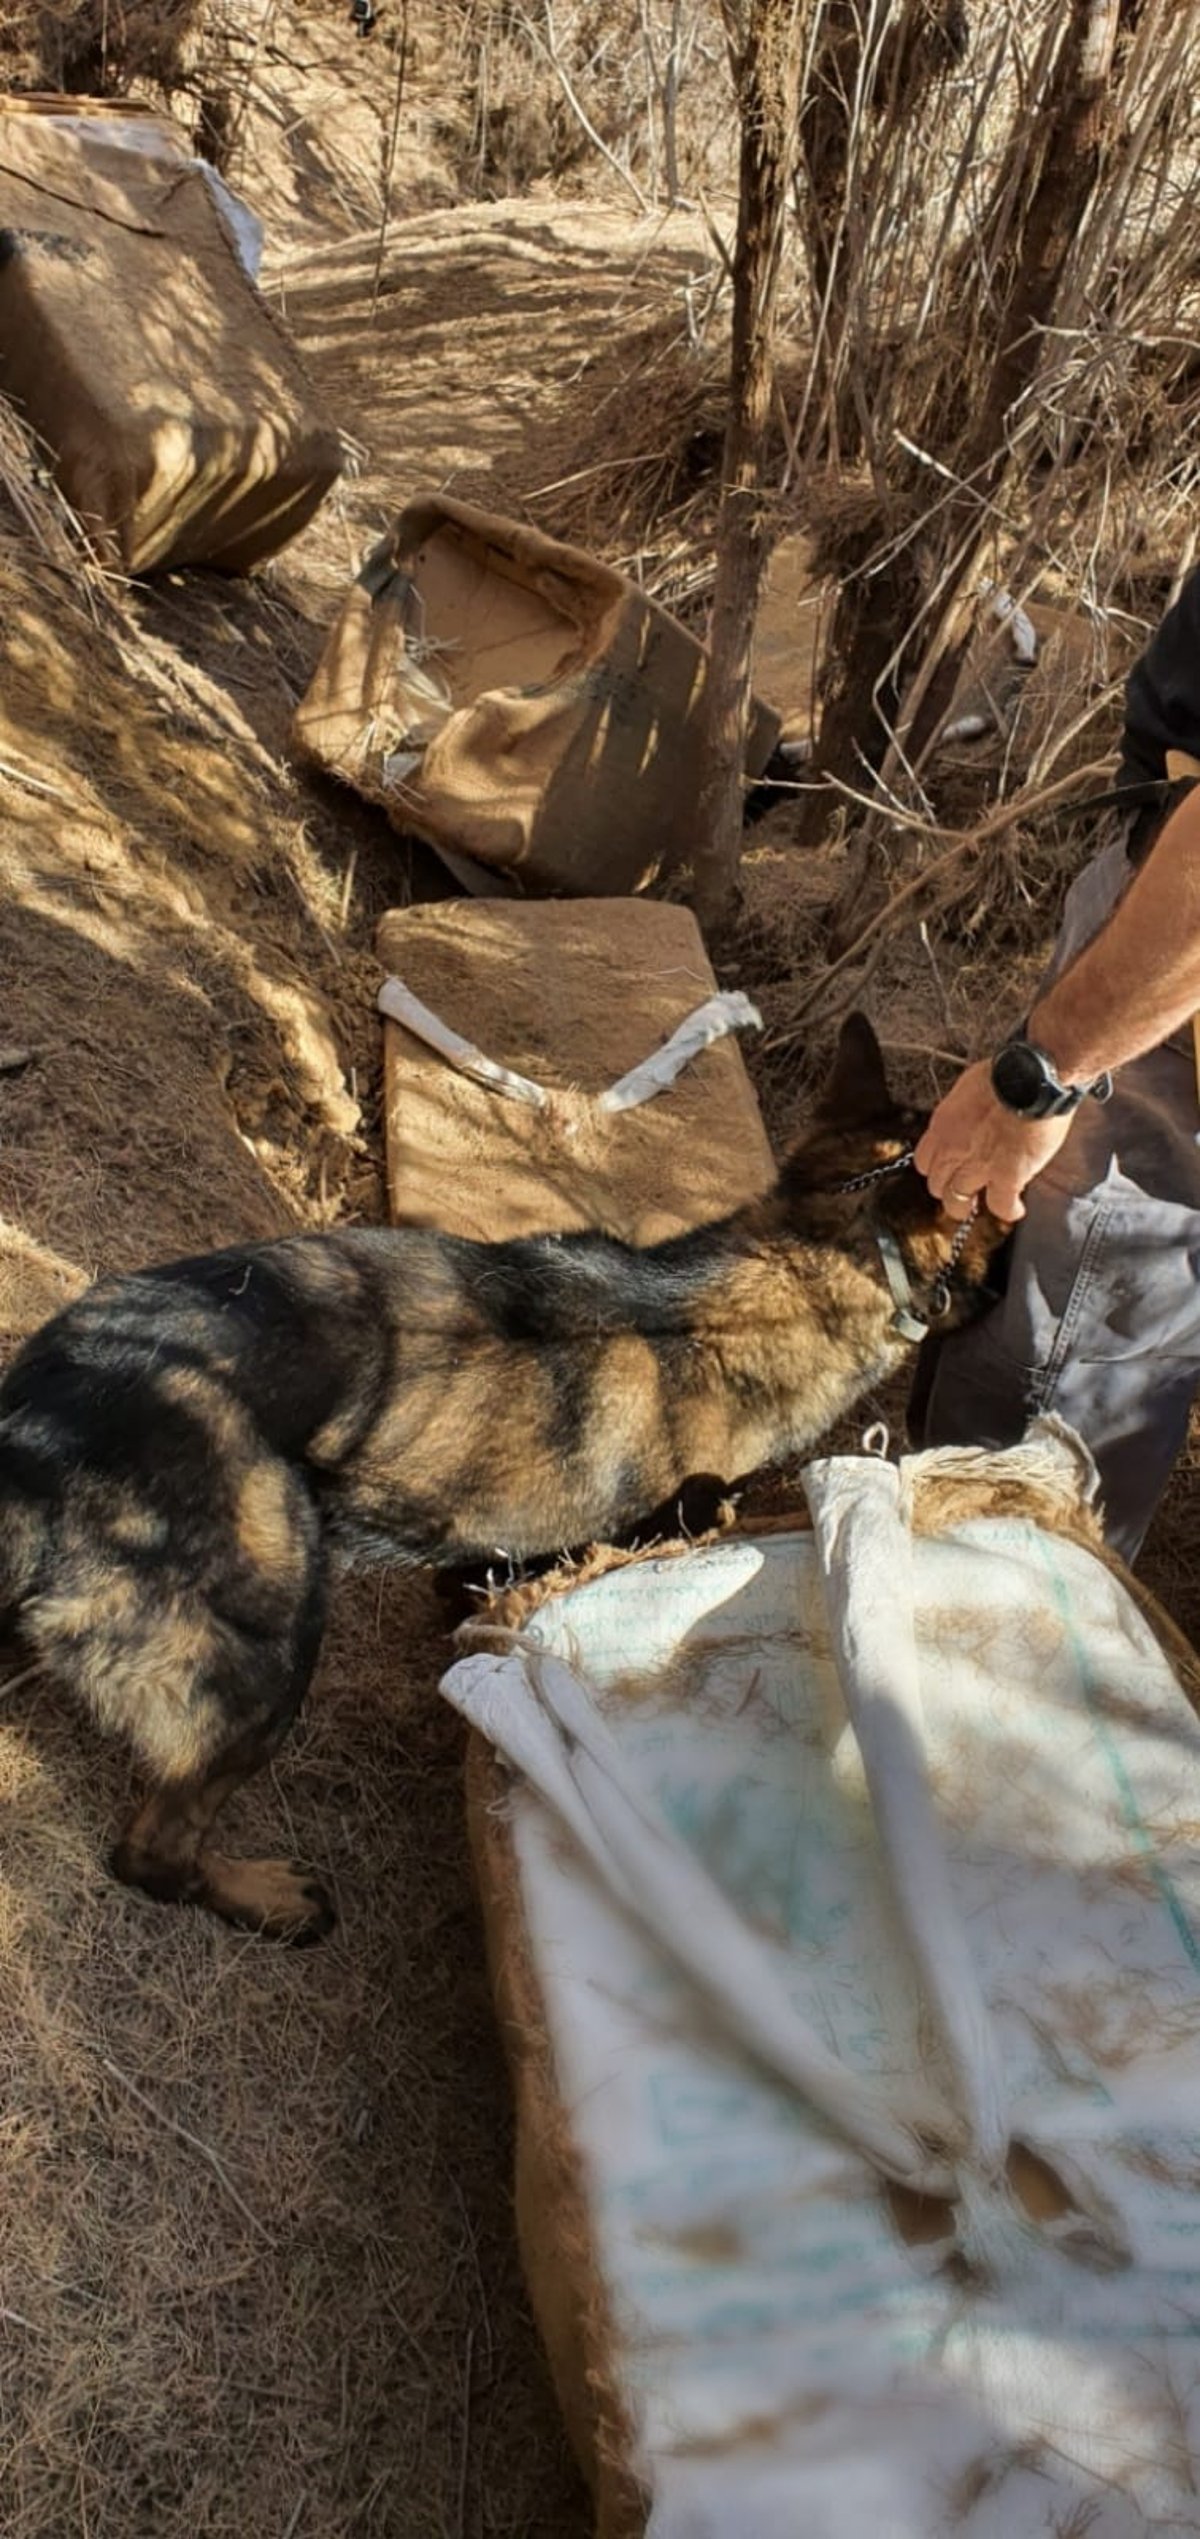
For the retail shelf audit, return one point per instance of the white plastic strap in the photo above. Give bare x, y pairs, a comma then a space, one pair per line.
728, 1012
864, 1551
401, 1006
723, 1013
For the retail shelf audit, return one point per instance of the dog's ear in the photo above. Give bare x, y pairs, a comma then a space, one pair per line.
857, 1091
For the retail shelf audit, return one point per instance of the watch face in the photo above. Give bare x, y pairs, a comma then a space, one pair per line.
1019, 1077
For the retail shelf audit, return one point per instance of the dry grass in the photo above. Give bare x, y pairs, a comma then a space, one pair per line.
1085, 490
256, 2261
255, 2240
94, 45
631, 97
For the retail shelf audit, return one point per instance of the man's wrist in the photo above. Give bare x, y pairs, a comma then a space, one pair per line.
1070, 1064
1028, 1079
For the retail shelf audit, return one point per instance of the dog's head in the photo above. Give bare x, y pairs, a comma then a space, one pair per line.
839, 1166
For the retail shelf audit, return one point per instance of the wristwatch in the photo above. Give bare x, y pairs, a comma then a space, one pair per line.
1026, 1080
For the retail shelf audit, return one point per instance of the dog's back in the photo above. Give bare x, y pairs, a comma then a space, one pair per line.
146, 1432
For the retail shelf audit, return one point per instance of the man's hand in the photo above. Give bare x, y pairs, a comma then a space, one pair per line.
975, 1149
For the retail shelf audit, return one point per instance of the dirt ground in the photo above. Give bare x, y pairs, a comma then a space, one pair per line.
257, 2271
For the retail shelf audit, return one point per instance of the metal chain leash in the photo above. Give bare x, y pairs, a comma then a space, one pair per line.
940, 1292
878, 1172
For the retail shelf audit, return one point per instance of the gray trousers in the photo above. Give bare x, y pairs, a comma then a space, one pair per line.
1101, 1318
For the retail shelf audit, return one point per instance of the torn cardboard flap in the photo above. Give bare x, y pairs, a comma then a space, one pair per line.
510, 699
574, 997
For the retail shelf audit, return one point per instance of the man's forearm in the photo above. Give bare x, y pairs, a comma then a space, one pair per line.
1133, 985
1139, 978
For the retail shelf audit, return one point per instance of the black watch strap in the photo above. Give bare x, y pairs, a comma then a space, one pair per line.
1026, 1080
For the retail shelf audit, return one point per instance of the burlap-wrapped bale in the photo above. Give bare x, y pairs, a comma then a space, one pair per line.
760, 2321
791, 633
180, 419
572, 993
510, 699
1027, 691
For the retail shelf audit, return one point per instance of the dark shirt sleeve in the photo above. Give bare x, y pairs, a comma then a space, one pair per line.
1162, 692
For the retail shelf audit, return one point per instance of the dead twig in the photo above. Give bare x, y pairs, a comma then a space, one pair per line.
547, 46
925, 1049
192, 2139
961, 849
390, 156
29, 783
767, 60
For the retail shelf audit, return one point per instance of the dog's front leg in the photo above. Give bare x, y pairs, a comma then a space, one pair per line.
165, 1851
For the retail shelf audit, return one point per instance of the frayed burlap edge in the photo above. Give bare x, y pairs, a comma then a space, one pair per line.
553, 2228
939, 1502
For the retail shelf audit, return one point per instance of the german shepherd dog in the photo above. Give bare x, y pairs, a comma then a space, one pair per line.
183, 1450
